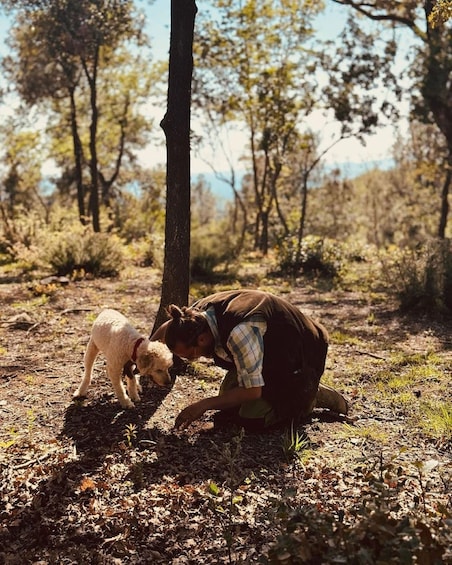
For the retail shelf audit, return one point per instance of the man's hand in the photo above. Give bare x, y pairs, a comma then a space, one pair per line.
230, 399
189, 415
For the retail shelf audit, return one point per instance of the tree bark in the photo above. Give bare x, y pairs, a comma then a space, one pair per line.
93, 165
445, 202
78, 156
176, 125
436, 92
303, 208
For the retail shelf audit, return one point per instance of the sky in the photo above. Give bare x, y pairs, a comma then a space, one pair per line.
348, 154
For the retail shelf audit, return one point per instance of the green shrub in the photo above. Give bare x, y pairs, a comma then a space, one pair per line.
373, 535
147, 251
314, 256
374, 529
422, 277
21, 240
211, 251
99, 254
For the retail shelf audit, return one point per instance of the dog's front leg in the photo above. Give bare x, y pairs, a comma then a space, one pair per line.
133, 387
115, 375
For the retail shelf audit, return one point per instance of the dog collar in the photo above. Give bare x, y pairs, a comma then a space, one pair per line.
135, 348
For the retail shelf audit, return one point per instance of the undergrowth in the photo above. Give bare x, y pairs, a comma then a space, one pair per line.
373, 530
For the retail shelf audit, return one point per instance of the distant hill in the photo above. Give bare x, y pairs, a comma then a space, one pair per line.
223, 191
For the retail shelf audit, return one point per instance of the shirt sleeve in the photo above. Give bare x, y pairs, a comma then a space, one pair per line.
246, 344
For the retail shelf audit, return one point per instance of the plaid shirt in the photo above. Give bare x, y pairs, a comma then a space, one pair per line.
246, 344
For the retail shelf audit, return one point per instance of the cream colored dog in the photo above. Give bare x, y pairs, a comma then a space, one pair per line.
121, 344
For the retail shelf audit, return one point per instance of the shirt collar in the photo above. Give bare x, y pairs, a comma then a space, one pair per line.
213, 326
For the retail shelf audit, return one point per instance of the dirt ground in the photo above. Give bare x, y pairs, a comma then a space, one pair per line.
92, 483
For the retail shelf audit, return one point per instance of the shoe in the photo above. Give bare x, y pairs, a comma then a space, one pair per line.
329, 398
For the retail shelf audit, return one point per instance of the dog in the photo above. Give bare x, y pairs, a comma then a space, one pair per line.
123, 347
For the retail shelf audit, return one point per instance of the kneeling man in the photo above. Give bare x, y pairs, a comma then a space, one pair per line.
274, 356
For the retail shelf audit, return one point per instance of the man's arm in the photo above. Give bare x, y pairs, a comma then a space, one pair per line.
229, 399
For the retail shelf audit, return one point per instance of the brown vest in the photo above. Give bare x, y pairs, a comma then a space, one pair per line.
295, 346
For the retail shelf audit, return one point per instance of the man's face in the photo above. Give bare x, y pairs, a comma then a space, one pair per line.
202, 348
189, 352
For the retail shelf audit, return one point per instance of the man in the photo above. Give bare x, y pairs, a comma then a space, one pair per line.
274, 355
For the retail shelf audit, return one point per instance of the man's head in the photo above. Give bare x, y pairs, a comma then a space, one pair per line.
187, 333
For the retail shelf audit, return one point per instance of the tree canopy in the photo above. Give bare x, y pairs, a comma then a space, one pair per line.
431, 70
82, 63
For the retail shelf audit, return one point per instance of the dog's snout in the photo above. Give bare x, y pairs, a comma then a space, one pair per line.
162, 378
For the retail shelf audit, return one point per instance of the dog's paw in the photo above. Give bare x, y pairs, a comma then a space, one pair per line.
127, 403
135, 397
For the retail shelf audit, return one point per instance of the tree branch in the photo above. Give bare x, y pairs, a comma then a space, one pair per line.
365, 8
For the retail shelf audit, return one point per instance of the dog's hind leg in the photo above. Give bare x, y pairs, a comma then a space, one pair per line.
115, 375
90, 356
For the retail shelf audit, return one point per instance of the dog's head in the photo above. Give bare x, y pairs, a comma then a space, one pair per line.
153, 360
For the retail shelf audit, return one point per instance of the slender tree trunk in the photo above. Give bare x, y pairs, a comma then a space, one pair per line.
264, 233
106, 184
93, 165
445, 202
238, 203
281, 217
176, 125
301, 225
78, 155
437, 95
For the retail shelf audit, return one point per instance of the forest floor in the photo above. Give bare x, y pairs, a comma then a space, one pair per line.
88, 482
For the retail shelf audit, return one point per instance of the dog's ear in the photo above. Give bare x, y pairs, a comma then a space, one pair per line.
163, 355
146, 359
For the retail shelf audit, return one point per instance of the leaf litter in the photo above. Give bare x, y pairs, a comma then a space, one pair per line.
91, 483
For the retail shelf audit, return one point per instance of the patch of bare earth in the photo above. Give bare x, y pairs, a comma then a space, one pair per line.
92, 483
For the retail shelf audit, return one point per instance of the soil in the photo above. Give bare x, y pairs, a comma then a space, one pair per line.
92, 483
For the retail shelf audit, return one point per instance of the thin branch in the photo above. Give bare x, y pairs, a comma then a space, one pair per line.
364, 9
371, 355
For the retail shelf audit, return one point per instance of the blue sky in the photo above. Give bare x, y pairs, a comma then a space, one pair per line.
348, 154
330, 23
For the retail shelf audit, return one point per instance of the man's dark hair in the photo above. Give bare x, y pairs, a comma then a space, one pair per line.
185, 326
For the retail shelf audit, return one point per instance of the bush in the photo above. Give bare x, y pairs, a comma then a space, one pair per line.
373, 536
315, 256
423, 277
375, 529
147, 251
21, 240
99, 254
210, 250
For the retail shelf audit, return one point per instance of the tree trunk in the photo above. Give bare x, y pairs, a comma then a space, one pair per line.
445, 202
275, 197
437, 95
93, 165
303, 208
78, 155
264, 233
176, 125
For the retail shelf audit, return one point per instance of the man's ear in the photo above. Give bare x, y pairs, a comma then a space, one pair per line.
204, 339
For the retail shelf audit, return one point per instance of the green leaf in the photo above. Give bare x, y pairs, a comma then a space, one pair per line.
214, 488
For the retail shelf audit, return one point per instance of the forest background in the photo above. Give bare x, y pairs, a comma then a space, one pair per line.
273, 98
83, 213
